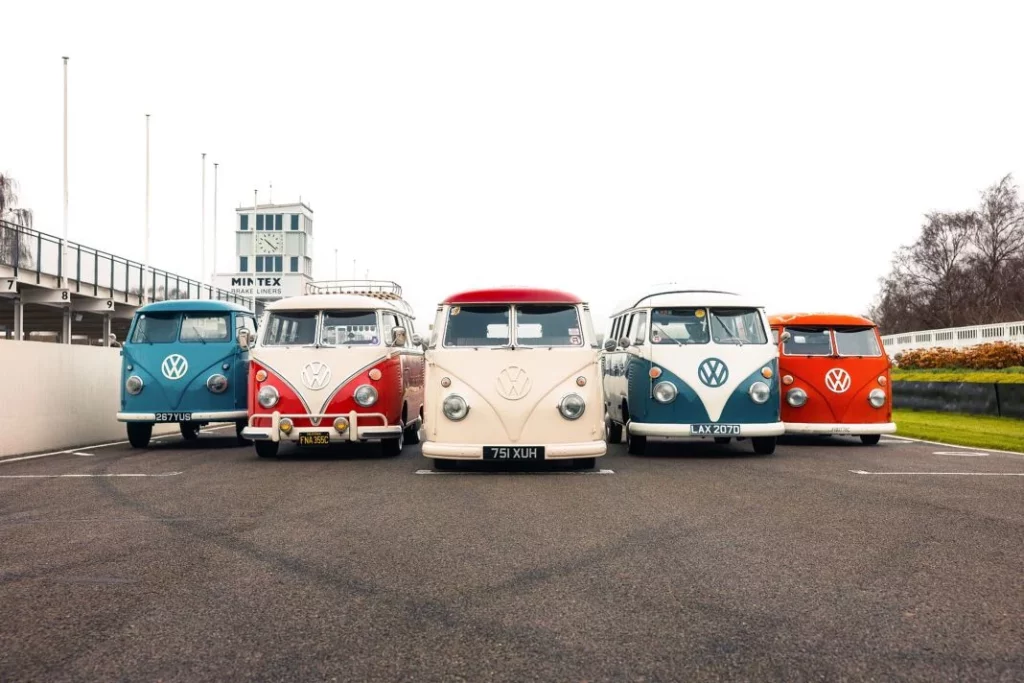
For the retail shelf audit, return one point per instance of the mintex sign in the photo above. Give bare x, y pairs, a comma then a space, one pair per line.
266, 286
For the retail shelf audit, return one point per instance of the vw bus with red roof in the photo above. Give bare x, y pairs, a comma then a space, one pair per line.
337, 364
835, 375
512, 375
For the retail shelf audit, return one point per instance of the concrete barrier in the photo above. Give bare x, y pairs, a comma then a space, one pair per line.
1001, 400
57, 396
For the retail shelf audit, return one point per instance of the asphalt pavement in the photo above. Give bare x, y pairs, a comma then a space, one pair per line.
199, 561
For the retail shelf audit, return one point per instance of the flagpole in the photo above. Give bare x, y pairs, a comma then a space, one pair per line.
202, 248
145, 262
255, 203
213, 273
64, 244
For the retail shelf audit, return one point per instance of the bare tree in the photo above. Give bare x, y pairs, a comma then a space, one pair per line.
15, 226
998, 240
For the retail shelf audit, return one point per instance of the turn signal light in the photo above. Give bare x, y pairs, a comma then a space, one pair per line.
445, 382
787, 379
375, 374
654, 372
766, 373
881, 380
261, 375
581, 381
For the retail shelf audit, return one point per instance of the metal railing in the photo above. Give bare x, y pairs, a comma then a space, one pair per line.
91, 271
955, 337
377, 289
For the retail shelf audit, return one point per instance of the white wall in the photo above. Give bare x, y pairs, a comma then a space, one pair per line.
57, 396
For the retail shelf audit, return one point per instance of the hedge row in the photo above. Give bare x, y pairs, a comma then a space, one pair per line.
991, 356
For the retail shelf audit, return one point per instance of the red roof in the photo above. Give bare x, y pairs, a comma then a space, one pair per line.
819, 320
513, 295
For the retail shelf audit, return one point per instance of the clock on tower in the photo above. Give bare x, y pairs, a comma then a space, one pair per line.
271, 243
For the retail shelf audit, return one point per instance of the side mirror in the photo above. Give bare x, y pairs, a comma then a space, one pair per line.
624, 343
417, 340
785, 336
610, 345
398, 336
244, 339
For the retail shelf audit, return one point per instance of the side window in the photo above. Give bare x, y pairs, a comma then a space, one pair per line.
388, 324
775, 335
640, 331
628, 332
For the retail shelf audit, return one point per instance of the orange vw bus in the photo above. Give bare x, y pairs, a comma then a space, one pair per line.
835, 375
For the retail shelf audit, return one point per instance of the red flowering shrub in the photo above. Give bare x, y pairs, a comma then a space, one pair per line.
992, 356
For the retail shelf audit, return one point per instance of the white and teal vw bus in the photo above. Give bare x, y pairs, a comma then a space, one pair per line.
691, 364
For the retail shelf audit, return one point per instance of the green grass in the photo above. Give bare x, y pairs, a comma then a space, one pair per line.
979, 431
1006, 376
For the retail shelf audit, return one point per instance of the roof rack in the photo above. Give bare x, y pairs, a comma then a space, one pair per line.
376, 289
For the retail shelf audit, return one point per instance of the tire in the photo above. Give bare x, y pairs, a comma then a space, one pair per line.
870, 439
636, 444
393, 447
764, 445
614, 432
139, 433
584, 463
239, 426
412, 433
722, 439
267, 449
443, 464
189, 430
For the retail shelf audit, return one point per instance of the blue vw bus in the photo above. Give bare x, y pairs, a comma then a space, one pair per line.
691, 364
182, 362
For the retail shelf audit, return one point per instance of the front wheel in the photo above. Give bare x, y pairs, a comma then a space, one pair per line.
139, 433
239, 426
636, 444
393, 447
412, 433
267, 449
614, 432
189, 430
443, 464
584, 463
764, 445
870, 439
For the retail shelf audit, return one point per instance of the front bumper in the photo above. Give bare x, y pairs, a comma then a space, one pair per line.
216, 416
682, 431
558, 451
833, 428
354, 432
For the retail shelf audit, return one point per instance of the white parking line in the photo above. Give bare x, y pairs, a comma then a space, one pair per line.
953, 445
87, 455
958, 474
60, 476
504, 472
74, 451
962, 454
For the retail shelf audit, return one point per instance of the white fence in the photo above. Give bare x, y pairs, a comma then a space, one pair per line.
955, 337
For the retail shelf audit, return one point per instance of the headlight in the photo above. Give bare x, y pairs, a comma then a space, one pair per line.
665, 392
455, 407
759, 392
876, 398
217, 384
365, 395
572, 406
133, 385
796, 397
268, 396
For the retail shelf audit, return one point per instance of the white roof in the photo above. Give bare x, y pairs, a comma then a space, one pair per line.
673, 295
335, 302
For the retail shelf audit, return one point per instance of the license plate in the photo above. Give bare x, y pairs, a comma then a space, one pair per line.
714, 430
174, 417
315, 439
513, 452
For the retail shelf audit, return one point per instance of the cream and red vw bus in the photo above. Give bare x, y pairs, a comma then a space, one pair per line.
337, 364
512, 375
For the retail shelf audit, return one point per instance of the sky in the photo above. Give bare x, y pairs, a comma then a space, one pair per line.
781, 150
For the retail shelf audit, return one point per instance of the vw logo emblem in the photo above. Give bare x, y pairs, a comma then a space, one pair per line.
712, 372
316, 375
837, 380
174, 366
513, 383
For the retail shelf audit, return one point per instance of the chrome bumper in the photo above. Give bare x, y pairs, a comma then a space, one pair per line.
839, 428
682, 431
216, 416
354, 431
558, 451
